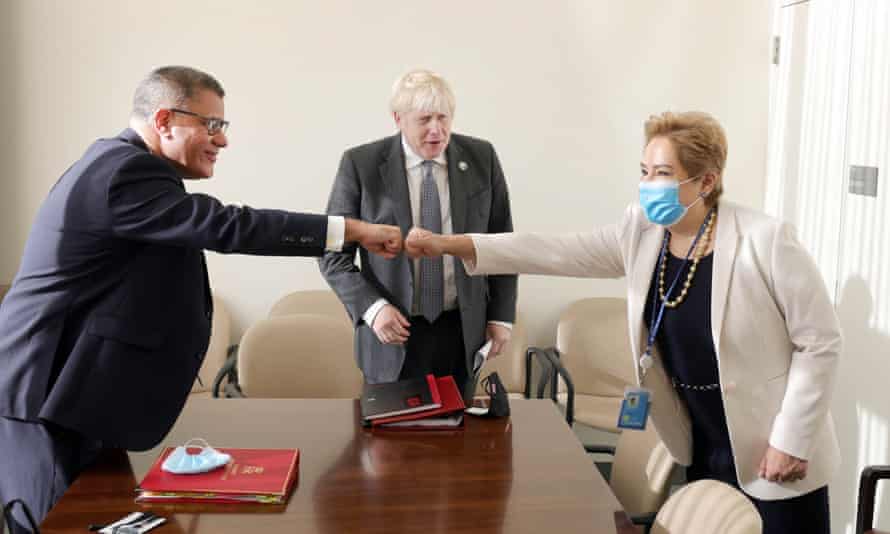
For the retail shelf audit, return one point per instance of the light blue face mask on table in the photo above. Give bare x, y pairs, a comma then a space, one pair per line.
181, 462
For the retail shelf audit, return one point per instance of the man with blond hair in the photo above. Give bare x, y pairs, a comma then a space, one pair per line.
414, 317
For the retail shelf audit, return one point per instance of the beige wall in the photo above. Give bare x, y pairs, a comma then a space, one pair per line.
561, 88
831, 111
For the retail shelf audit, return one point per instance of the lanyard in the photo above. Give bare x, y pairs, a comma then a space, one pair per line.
646, 360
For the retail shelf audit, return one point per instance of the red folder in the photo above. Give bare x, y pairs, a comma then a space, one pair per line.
252, 475
452, 402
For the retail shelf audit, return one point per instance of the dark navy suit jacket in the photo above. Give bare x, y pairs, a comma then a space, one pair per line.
108, 319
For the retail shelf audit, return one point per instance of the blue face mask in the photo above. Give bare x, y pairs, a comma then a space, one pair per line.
660, 200
181, 462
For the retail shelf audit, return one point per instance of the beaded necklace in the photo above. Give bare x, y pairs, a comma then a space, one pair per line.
697, 256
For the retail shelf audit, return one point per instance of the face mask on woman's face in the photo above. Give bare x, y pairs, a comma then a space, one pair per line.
660, 200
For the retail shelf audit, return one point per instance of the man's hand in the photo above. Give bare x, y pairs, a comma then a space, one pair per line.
777, 466
391, 326
499, 336
382, 239
422, 243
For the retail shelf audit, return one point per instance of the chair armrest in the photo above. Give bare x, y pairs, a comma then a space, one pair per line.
7, 515
228, 370
868, 482
551, 357
600, 449
529, 353
646, 520
548, 373
233, 391
536, 354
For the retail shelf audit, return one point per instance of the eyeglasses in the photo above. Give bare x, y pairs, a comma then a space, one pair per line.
214, 125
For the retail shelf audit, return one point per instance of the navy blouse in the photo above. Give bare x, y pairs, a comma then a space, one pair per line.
686, 347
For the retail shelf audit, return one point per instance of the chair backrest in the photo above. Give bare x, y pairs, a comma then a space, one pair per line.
641, 471
708, 506
594, 344
510, 364
315, 301
217, 349
299, 356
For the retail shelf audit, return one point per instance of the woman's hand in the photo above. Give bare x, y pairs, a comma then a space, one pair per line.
777, 466
422, 243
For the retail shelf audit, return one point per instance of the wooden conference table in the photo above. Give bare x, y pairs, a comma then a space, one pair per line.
526, 473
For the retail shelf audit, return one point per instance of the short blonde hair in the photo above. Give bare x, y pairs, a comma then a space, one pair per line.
699, 140
422, 90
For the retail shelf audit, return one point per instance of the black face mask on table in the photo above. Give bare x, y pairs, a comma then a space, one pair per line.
498, 404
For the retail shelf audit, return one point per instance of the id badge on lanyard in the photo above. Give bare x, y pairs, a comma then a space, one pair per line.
635, 406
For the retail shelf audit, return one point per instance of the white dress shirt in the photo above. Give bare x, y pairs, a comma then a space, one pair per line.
336, 233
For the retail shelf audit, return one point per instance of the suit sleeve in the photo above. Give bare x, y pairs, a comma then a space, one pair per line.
815, 335
339, 268
148, 203
502, 287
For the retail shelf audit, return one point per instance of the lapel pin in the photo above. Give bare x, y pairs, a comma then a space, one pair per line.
462, 165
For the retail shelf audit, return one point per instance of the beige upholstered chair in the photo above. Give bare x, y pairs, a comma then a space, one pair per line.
593, 343
641, 471
299, 356
4, 288
315, 301
510, 364
708, 506
217, 349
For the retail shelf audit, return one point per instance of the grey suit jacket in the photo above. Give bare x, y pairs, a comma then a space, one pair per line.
372, 185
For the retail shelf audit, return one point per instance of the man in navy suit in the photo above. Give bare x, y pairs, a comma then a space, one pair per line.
108, 319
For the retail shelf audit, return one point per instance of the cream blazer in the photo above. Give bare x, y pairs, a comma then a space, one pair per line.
775, 332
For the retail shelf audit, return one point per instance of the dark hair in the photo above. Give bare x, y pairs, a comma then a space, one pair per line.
171, 86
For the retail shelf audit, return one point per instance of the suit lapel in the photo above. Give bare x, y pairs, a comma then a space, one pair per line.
640, 282
392, 172
725, 248
458, 182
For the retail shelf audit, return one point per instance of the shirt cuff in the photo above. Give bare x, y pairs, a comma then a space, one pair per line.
372, 311
336, 233
508, 326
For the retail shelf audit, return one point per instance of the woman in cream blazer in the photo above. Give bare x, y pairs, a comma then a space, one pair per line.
762, 321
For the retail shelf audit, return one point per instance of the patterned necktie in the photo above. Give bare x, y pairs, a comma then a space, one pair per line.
431, 278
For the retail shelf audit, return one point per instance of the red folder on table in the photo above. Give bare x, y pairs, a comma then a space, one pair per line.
448, 414
252, 476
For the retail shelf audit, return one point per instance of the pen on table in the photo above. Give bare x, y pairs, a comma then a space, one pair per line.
134, 516
141, 526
